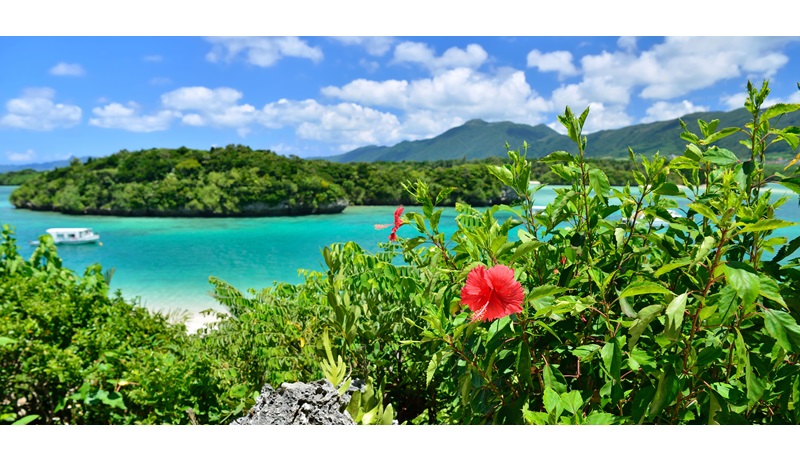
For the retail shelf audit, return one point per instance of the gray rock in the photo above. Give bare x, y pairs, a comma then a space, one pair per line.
315, 402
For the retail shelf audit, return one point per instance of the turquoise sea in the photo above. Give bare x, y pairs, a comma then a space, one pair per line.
166, 262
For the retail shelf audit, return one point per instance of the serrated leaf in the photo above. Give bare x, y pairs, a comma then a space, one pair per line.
778, 109
551, 401
432, 365
743, 279
720, 157
719, 135
599, 182
769, 288
783, 328
572, 401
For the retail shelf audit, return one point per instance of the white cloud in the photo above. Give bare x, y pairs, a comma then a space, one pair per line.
560, 61
374, 45
662, 111
115, 115
418, 53
67, 69
21, 157
460, 93
681, 65
35, 110
213, 107
200, 98
261, 51
347, 124
627, 43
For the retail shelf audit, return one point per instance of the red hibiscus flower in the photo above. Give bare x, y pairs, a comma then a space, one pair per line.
397, 223
492, 293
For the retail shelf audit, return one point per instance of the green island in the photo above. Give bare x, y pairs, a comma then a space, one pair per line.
592, 321
238, 181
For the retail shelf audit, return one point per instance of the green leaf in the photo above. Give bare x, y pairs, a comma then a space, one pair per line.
743, 279
552, 402
719, 135
572, 401
670, 189
626, 308
554, 379
558, 155
666, 392
599, 182
586, 352
526, 247
769, 288
432, 365
721, 157
25, 420
766, 224
502, 173
787, 250
674, 313
778, 109
544, 290
612, 359
5, 341
704, 210
783, 328
644, 317
643, 287
672, 265
601, 418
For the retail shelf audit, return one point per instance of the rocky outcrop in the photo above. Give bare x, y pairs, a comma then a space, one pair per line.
315, 402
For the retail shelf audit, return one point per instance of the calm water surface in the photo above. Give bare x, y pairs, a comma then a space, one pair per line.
166, 262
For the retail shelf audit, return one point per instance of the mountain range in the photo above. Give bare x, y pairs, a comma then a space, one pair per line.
477, 139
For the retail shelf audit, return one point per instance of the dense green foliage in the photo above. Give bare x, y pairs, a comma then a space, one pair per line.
70, 353
622, 322
477, 139
17, 177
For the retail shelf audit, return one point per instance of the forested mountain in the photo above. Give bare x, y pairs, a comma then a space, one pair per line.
478, 139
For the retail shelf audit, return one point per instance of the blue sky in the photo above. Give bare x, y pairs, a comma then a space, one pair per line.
313, 96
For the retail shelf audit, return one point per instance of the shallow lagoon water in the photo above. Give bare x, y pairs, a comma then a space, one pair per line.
166, 262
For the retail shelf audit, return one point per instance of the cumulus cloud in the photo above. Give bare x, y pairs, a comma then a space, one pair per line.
346, 124
35, 110
21, 157
115, 115
67, 69
419, 53
212, 107
681, 65
559, 61
261, 51
457, 93
662, 111
374, 45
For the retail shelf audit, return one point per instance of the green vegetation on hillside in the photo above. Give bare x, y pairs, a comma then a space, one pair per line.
238, 181
17, 177
478, 139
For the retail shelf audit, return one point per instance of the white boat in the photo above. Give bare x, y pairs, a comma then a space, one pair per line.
72, 235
